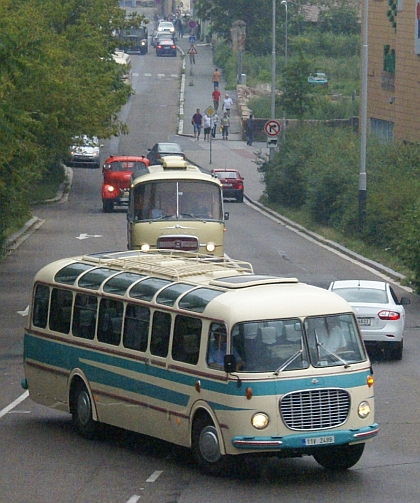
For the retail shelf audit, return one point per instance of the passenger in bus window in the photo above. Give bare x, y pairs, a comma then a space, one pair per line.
217, 345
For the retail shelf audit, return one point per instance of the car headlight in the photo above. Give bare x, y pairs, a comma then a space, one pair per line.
260, 421
363, 410
145, 247
210, 247
110, 188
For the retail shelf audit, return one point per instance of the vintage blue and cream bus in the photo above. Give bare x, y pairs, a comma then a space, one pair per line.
203, 353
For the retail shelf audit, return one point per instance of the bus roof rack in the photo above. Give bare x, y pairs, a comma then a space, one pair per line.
170, 264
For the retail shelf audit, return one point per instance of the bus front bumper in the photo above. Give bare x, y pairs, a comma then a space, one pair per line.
307, 440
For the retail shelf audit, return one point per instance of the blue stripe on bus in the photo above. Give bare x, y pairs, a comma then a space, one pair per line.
67, 357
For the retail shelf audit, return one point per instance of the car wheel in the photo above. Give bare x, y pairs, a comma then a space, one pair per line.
339, 458
206, 446
82, 413
108, 205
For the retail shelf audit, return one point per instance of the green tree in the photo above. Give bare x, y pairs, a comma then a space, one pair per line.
297, 98
57, 80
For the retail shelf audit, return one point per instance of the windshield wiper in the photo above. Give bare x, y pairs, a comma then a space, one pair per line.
288, 362
319, 344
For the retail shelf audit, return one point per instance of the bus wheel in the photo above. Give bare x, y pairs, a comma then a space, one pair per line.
108, 205
340, 457
206, 447
82, 413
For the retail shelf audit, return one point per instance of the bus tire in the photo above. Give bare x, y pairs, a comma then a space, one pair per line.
82, 413
206, 447
339, 458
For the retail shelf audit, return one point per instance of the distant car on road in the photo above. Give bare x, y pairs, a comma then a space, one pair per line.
158, 36
232, 183
134, 40
85, 153
166, 47
166, 26
379, 313
160, 150
117, 171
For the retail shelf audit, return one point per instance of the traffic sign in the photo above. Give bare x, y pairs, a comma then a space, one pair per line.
192, 49
272, 127
210, 111
191, 39
271, 142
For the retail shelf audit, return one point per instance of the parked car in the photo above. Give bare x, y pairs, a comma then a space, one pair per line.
318, 78
380, 315
232, 183
117, 171
166, 47
160, 150
85, 153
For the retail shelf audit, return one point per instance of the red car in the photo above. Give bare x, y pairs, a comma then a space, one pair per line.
117, 171
232, 183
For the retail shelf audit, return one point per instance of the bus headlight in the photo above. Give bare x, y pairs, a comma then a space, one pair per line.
210, 247
363, 410
260, 420
145, 247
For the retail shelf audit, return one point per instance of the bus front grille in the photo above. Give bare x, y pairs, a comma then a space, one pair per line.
183, 243
315, 409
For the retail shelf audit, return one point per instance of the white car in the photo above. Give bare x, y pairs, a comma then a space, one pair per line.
167, 26
379, 313
85, 153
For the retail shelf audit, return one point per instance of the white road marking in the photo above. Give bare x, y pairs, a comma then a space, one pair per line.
155, 475
25, 312
87, 236
134, 499
14, 404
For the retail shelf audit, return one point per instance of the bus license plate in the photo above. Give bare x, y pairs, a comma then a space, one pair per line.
365, 322
319, 440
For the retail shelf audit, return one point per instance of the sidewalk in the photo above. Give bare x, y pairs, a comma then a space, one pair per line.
234, 153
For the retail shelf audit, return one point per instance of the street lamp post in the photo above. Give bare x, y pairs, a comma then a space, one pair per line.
273, 71
284, 2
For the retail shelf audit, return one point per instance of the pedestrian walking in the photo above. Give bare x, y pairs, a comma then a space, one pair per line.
227, 104
216, 78
197, 121
250, 130
216, 98
207, 127
225, 123
215, 121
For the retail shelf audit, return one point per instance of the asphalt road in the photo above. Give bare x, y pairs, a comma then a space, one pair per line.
43, 460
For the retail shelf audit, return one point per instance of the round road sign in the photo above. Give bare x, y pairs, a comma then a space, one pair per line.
272, 127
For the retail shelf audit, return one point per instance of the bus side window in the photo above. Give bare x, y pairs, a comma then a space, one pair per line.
216, 349
84, 316
186, 340
110, 321
40, 309
60, 316
136, 327
161, 331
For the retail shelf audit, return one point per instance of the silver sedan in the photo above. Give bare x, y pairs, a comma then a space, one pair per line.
380, 315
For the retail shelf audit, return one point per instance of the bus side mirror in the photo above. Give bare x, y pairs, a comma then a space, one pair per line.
226, 215
229, 363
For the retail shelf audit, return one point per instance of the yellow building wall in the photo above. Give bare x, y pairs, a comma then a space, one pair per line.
398, 104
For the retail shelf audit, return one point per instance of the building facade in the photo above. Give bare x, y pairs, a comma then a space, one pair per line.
393, 74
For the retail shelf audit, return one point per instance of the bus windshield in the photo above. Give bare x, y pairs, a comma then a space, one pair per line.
286, 344
177, 199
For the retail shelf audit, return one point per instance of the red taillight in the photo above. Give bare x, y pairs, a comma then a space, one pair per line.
388, 315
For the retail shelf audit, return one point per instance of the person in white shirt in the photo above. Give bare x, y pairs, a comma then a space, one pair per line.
227, 104
207, 127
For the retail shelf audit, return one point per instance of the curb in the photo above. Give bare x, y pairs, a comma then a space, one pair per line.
32, 225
